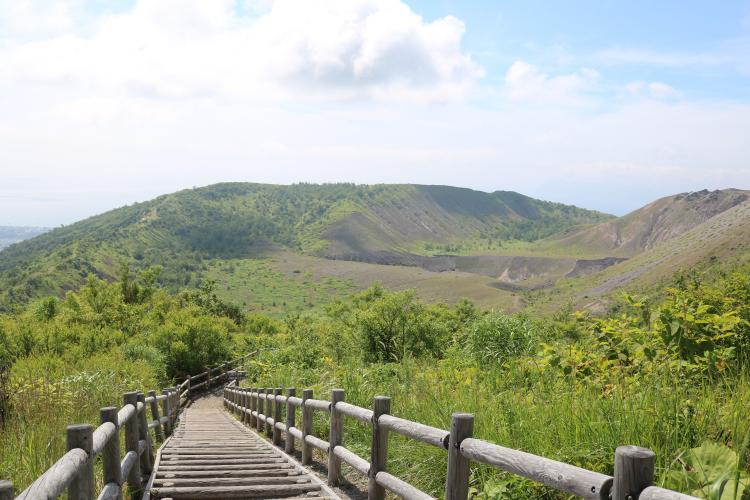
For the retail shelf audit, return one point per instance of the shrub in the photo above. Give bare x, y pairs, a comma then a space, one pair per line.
496, 337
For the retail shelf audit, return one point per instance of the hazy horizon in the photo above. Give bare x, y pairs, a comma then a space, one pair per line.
85, 216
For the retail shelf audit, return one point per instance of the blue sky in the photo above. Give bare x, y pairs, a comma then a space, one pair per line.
562, 35
603, 104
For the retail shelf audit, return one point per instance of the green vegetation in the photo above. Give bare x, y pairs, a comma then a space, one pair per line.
186, 231
669, 374
62, 360
142, 295
259, 287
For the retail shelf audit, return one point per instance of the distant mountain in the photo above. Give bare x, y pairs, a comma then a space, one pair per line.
647, 227
721, 240
14, 234
185, 230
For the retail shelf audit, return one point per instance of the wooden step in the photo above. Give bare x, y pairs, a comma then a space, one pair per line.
254, 491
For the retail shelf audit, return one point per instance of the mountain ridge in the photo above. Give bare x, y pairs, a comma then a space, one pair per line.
499, 246
239, 220
655, 222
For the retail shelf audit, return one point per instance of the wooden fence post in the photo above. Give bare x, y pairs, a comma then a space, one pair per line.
158, 431
240, 403
269, 411
111, 451
378, 448
335, 438
143, 435
6, 490
307, 420
253, 406
276, 416
245, 404
175, 404
290, 414
82, 486
261, 410
634, 472
457, 477
166, 408
131, 442
208, 380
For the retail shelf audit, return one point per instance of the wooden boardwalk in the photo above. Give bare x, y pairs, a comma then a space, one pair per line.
212, 455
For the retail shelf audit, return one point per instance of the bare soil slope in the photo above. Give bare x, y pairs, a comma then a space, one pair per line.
652, 224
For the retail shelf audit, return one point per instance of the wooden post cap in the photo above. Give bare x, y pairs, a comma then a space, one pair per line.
634, 471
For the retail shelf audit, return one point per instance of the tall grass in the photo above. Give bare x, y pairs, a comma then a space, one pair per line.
551, 416
47, 394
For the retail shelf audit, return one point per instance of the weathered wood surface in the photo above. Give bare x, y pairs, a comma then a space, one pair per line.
558, 475
212, 455
415, 430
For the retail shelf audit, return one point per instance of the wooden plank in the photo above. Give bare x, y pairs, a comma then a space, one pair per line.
254, 491
192, 464
229, 481
218, 474
263, 465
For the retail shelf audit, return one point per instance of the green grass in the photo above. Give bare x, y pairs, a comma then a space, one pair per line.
47, 394
550, 416
258, 286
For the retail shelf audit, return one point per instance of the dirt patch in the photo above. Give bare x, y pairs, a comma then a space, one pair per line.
585, 267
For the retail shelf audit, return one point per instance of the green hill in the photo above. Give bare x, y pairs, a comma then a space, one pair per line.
189, 231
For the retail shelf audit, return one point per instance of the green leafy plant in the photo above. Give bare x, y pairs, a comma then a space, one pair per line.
712, 471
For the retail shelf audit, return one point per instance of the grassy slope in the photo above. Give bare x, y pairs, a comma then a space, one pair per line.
430, 286
185, 231
647, 227
722, 241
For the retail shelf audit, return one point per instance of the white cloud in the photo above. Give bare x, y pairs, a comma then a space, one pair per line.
731, 53
525, 82
652, 90
195, 48
175, 93
33, 18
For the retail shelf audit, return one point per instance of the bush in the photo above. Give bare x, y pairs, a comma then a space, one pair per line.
496, 337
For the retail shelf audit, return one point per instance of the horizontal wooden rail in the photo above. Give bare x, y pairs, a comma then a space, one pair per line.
558, 475
633, 466
420, 432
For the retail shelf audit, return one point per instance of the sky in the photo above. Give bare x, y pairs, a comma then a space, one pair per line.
602, 104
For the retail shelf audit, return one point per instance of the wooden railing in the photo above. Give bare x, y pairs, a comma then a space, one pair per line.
74, 471
263, 409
